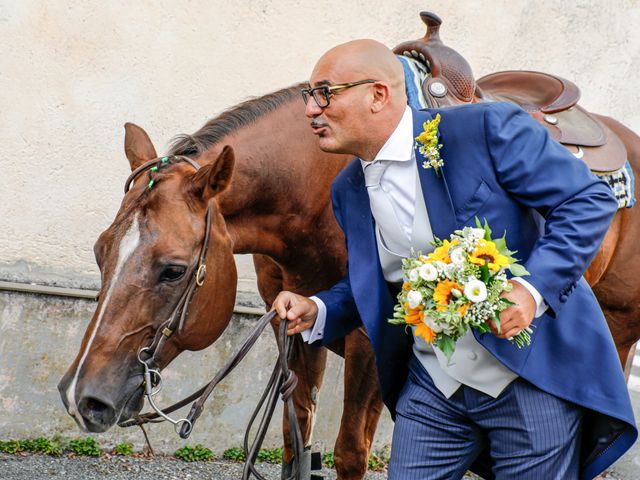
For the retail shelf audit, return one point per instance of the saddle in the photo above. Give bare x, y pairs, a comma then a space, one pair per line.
551, 100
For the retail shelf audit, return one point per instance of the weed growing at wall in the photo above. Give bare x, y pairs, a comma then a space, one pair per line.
54, 447
235, 454
377, 462
124, 449
85, 446
194, 454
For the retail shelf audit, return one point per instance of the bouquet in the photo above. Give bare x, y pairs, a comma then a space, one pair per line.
458, 287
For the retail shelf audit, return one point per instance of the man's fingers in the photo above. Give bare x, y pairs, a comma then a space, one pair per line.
293, 327
283, 303
512, 332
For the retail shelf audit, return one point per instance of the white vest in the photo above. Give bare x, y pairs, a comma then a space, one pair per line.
471, 364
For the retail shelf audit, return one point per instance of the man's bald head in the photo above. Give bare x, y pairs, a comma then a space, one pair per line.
360, 59
360, 117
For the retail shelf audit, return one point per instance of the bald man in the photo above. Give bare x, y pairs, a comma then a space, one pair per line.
552, 410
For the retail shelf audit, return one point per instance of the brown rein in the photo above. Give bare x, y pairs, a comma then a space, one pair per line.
282, 379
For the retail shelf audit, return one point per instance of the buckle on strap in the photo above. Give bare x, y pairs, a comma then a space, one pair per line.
200, 274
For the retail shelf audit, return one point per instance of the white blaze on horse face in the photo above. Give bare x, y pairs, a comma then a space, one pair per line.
128, 245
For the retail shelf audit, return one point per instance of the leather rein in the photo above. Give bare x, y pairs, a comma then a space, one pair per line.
282, 380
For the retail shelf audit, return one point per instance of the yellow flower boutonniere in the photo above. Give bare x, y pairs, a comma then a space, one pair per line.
428, 145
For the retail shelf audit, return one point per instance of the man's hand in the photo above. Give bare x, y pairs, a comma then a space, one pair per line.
517, 317
300, 311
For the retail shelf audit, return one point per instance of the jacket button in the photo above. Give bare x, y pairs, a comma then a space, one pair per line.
563, 298
472, 355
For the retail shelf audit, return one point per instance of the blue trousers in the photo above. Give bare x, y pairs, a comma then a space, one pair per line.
530, 433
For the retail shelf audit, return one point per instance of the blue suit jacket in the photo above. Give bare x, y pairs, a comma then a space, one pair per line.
499, 164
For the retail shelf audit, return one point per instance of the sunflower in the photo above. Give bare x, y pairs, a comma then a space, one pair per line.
414, 316
442, 293
463, 309
441, 254
487, 253
425, 332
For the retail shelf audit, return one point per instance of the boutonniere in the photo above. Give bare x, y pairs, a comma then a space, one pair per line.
428, 145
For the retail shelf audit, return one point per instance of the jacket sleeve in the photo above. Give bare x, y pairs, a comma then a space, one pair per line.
541, 174
342, 314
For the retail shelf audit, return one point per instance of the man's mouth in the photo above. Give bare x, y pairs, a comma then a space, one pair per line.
318, 127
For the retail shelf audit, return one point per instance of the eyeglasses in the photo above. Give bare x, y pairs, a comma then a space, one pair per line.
322, 95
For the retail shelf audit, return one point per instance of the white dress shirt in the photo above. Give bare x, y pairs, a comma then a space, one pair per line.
399, 180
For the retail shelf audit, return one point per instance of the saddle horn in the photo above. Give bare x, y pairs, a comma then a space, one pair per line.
451, 80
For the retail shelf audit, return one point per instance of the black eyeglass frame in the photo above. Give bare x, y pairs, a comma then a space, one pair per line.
327, 90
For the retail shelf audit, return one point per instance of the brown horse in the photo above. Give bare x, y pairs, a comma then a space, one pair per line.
276, 206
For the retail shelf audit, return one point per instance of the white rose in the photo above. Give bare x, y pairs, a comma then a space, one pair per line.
457, 256
414, 275
414, 298
428, 272
432, 324
475, 290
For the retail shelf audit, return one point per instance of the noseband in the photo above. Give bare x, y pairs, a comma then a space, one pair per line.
282, 379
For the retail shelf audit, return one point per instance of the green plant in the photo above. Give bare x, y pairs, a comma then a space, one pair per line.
377, 462
235, 454
10, 446
194, 454
273, 455
85, 446
54, 446
125, 449
328, 460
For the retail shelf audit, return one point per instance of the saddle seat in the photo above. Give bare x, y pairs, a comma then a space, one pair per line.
533, 91
551, 100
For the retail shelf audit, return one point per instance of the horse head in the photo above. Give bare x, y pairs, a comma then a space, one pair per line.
148, 259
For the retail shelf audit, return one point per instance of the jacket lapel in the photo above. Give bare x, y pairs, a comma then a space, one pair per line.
365, 273
434, 187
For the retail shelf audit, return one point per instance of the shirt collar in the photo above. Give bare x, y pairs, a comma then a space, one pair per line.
399, 146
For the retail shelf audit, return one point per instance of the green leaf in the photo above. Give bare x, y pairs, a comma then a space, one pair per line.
518, 270
496, 320
478, 224
446, 345
487, 231
485, 275
501, 245
506, 301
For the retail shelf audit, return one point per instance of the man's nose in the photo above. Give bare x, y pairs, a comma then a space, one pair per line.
312, 109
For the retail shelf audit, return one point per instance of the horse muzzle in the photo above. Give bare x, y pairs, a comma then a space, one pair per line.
97, 409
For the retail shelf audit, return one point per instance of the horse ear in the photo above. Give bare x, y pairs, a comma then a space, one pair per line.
137, 145
215, 177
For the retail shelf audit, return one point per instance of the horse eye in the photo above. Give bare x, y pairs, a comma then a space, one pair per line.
172, 273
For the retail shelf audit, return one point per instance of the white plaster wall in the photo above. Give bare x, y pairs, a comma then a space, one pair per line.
73, 72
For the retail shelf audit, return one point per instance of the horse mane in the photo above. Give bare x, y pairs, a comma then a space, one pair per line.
232, 119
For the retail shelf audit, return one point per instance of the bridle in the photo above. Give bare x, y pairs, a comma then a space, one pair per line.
282, 379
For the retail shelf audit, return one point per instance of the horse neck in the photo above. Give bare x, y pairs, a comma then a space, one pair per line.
280, 184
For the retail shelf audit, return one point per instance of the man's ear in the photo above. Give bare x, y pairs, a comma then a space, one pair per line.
214, 178
137, 145
380, 92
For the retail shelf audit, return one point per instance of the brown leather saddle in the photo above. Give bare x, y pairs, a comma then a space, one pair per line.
551, 100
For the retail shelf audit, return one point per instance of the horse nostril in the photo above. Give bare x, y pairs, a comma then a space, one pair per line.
98, 414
